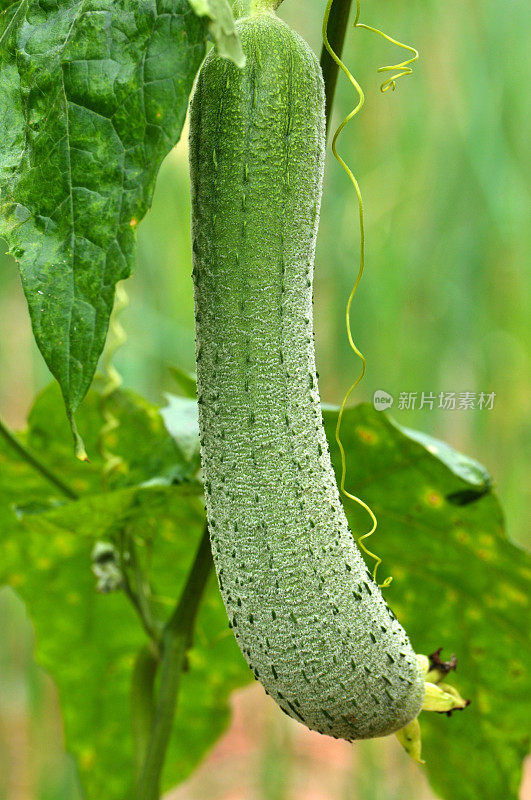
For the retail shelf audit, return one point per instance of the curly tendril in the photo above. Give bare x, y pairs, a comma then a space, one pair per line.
402, 68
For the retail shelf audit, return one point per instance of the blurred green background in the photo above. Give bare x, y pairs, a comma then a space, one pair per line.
444, 170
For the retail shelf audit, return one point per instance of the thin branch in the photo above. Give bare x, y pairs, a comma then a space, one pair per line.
337, 28
37, 465
176, 640
146, 620
128, 557
143, 592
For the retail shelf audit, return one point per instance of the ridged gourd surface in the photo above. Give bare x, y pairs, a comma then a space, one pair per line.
305, 611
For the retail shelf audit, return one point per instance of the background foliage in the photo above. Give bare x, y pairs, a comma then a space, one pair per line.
436, 511
444, 169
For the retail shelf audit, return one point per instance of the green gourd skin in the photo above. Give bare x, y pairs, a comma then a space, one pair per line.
306, 613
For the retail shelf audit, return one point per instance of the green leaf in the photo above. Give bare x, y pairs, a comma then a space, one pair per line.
222, 28
87, 641
458, 583
143, 446
186, 381
93, 95
181, 418
22, 490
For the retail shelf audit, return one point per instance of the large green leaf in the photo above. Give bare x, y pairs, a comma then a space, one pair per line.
88, 641
458, 583
93, 95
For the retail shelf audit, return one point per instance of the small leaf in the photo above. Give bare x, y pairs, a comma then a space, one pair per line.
465, 467
411, 740
222, 28
186, 381
442, 697
182, 422
92, 98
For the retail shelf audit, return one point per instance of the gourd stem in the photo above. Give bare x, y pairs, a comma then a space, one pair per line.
264, 5
35, 462
176, 639
337, 28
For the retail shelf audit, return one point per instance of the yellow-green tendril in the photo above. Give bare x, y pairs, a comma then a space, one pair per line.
113, 380
403, 69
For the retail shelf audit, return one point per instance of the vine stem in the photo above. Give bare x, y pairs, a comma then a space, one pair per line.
264, 5
142, 701
176, 639
36, 463
337, 28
